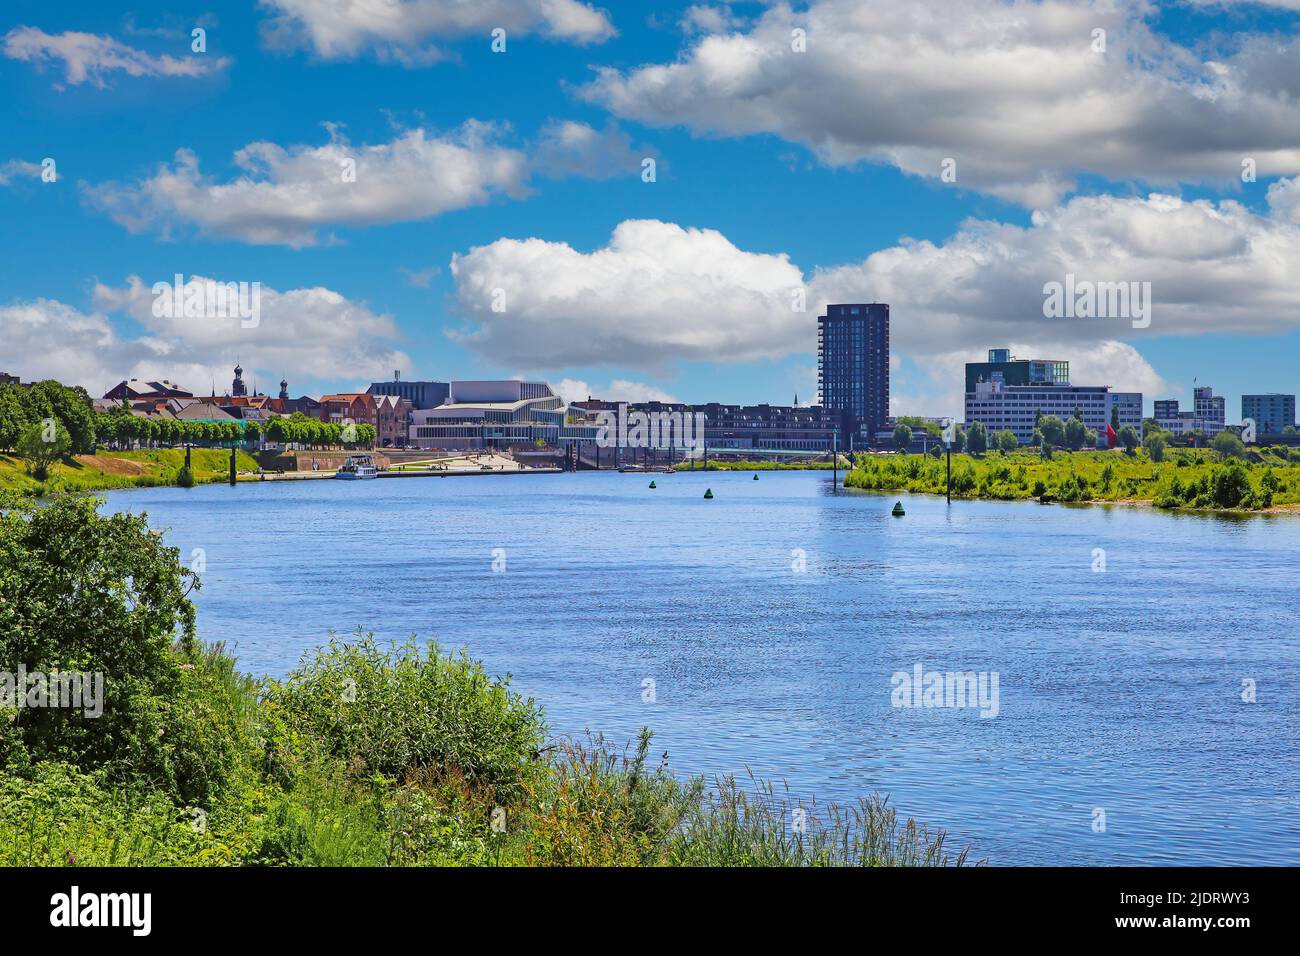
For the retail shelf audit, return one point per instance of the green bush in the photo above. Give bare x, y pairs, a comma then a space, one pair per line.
393, 712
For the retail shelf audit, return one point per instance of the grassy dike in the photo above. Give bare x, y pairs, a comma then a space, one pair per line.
113, 470
365, 755
1268, 480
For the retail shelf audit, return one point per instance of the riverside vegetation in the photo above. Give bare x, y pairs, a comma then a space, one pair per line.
1236, 479
364, 755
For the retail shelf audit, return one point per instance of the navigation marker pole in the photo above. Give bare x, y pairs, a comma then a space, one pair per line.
949, 433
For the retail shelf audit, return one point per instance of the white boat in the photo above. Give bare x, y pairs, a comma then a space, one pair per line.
357, 467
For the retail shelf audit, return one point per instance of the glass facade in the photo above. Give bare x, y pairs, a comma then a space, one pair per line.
853, 366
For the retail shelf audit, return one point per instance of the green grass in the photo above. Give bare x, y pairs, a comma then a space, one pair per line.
1084, 476
111, 470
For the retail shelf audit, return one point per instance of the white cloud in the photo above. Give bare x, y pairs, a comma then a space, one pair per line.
618, 390
569, 148
1013, 92
87, 57
1284, 200
402, 31
309, 333
48, 339
659, 294
18, 169
285, 195
288, 195
706, 18
420, 278
940, 391
1213, 267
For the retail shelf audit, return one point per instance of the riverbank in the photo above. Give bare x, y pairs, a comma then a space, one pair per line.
715, 465
118, 470
1184, 480
115, 470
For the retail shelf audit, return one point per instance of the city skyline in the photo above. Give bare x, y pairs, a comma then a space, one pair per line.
473, 165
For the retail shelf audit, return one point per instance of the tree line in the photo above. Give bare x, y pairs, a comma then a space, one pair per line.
120, 427
47, 421
1050, 432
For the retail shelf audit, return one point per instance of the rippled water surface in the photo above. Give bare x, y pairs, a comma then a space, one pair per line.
1118, 690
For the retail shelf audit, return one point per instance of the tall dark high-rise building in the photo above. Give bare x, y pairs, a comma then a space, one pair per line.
853, 367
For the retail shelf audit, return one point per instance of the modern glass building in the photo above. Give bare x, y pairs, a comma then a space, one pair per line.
493, 414
419, 394
853, 367
1272, 412
1208, 406
1014, 371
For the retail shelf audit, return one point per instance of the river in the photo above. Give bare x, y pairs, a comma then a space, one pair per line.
762, 630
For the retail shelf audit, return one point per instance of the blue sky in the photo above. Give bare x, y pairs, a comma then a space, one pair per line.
775, 169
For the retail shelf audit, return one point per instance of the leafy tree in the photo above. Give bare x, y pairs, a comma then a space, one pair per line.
14, 416
1229, 485
977, 439
1005, 441
91, 594
959, 439
73, 408
1155, 444
916, 423
1045, 449
1114, 418
1076, 433
1053, 430
42, 444
902, 437
1228, 445
1128, 437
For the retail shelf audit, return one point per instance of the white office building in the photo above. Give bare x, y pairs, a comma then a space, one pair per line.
1015, 408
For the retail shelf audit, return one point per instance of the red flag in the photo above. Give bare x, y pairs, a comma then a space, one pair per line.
1111, 437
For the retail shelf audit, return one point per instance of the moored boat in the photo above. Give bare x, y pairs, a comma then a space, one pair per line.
357, 467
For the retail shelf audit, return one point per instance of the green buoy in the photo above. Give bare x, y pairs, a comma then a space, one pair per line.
756, 477
898, 511
653, 485
708, 492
